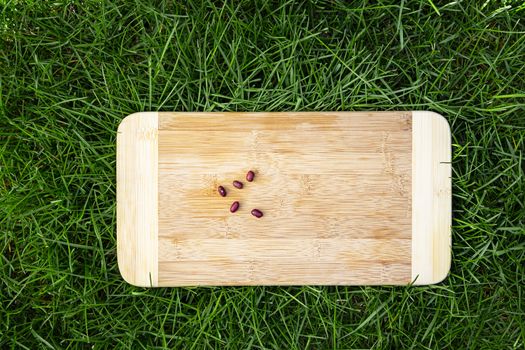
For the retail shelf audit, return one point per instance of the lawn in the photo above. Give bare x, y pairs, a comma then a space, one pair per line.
70, 71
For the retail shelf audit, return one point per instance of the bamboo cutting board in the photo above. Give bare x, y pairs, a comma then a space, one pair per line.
348, 198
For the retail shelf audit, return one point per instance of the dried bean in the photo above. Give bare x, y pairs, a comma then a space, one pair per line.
237, 184
221, 191
234, 207
257, 213
249, 176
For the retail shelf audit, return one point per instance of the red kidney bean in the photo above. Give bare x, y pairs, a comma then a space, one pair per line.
237, 184
234, 207
249, 176
257, 213
221, 191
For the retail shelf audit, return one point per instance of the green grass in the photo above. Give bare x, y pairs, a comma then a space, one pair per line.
70, 71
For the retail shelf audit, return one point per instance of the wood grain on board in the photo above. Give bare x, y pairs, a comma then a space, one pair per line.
336, 189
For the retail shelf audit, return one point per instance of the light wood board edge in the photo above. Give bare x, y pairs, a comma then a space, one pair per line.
431, 198
137, 199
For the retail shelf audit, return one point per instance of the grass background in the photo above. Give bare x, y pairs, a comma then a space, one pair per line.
70, 71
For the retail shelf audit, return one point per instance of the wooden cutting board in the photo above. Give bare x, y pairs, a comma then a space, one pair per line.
349, 198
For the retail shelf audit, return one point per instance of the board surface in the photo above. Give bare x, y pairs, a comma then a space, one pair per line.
348, 198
